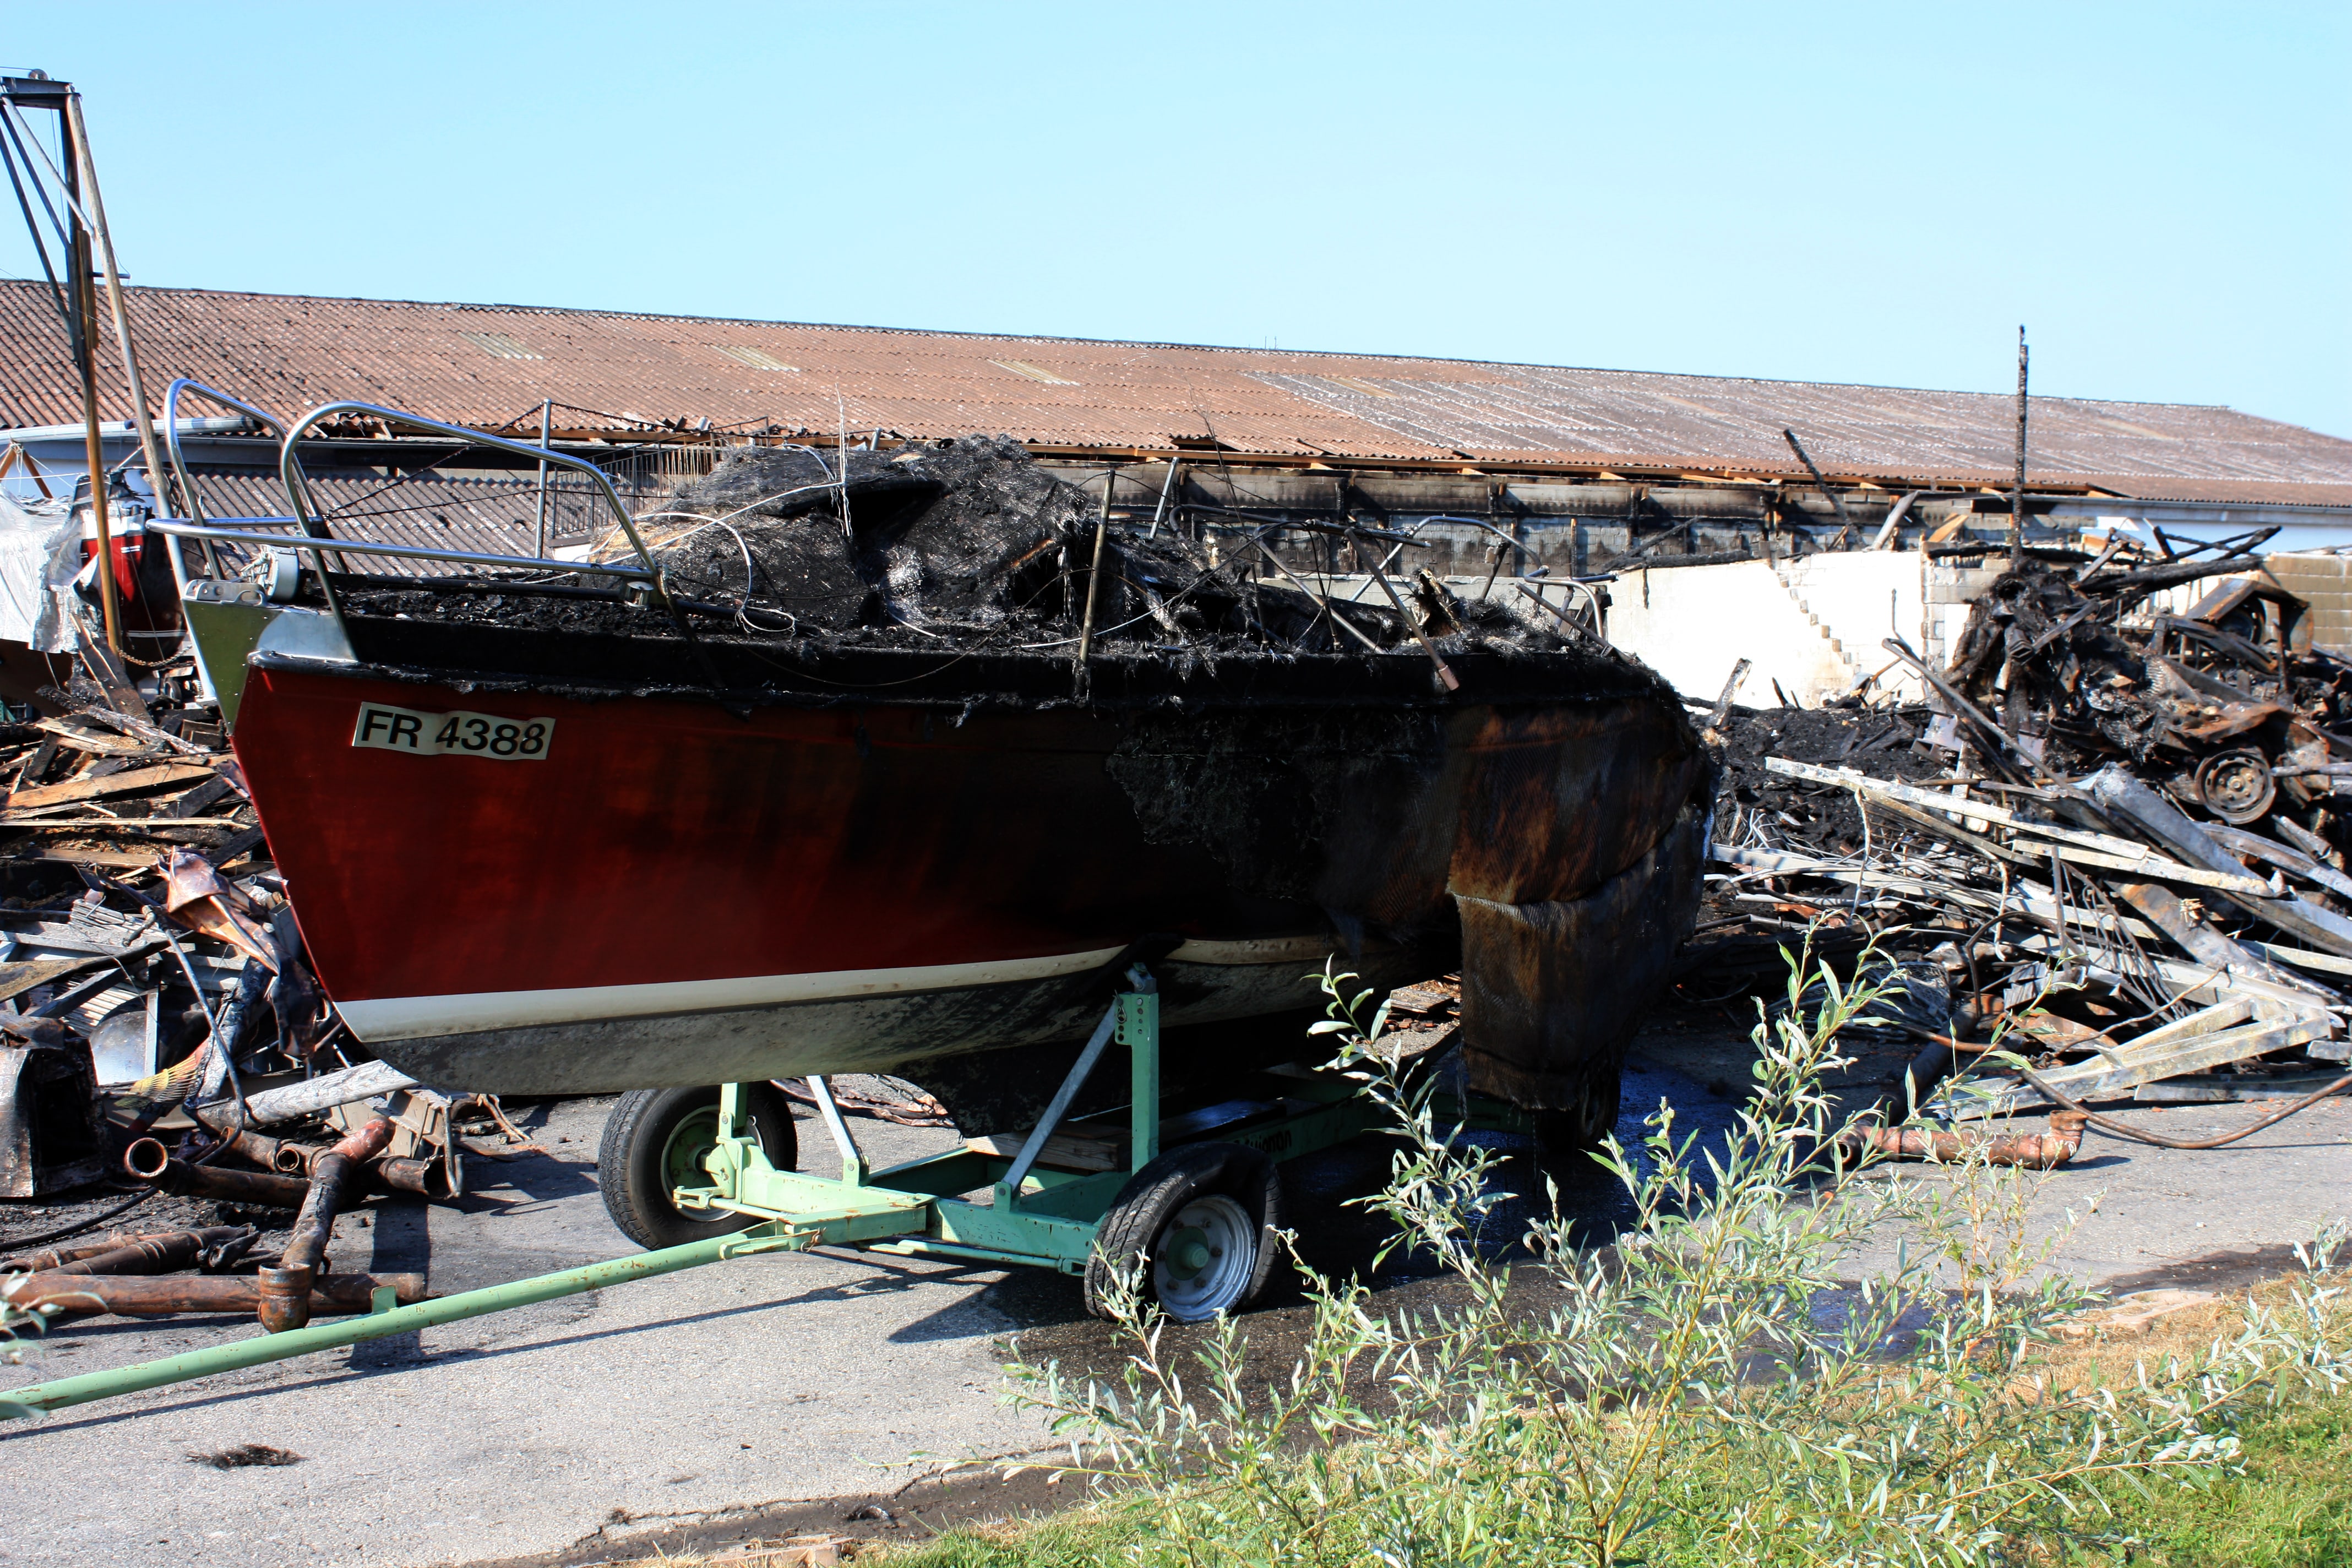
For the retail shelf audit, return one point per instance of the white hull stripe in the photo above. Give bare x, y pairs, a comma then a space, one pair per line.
424, 1018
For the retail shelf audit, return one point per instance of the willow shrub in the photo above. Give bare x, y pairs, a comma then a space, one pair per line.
1706, 1390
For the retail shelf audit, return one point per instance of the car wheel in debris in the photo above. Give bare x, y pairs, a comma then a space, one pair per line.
1204, 1217
655, 1141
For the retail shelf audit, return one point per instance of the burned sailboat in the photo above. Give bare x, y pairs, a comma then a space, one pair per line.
882, 759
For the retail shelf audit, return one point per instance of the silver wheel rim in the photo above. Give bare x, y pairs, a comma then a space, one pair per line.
1203, 1259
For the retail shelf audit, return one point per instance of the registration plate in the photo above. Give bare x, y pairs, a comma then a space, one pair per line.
492, 735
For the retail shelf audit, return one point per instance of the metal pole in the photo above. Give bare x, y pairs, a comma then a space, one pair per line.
85, 297
2017, 487
546, 428
1094, 573
1138, 1019
1167, 489
1837, 502
376, 1325
156, 474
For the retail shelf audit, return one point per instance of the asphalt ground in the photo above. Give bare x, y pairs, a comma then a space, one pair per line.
785, 1392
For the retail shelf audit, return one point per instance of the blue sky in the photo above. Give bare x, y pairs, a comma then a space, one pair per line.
1874, 194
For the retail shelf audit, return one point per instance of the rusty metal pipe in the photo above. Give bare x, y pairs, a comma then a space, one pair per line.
284, 1291
290, 1158
153, 1254
2038, 1151
79, 1295
427, 1178
270, 1153
296, 1159
148, 1160
58, 1257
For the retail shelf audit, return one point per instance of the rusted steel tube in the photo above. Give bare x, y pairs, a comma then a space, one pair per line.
80, 1295
427, 1178
154, 1254
58, 1257
285, 1295
270, 1153
280, 1154
2038, 1150
288, 1157
149, 1161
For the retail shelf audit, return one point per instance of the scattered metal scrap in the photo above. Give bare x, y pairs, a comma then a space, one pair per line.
2113, 845
161, 1029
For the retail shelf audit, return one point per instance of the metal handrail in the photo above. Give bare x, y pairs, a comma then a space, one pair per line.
180, 463
245, 531
298, 489
172, 433
310, 518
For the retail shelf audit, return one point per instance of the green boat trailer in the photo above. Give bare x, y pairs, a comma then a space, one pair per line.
1033, 1214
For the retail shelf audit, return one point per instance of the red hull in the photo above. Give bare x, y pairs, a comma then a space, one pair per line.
670, 894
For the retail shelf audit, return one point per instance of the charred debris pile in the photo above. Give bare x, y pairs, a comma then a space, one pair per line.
968, 543
2105, 864
182, 1114
176, 1091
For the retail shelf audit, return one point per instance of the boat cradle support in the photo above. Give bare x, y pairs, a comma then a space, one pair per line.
1033, 1212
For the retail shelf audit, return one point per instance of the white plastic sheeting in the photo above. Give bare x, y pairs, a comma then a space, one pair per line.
41, 555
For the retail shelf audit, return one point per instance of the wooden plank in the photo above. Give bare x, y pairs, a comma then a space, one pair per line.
87, 741
114, 677
2326, 963
1099, 1143
75, 824
223, 854
2149, 864
191, 802
2101, 849
15, 979
117, 784
2227, 1013
2104, 1080
121, 862
1062, 1152
1414, 1001
2213, 1088
2162, 908
1959, 806
38, 763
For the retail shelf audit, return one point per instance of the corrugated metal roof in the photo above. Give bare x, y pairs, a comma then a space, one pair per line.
489, 365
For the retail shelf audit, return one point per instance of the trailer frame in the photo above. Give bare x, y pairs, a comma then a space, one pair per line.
1037, 1213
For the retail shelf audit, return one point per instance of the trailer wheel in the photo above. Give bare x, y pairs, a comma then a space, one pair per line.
655, 1140
1204, 1216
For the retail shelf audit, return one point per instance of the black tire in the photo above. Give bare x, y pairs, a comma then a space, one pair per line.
649, 1146
1143, 1222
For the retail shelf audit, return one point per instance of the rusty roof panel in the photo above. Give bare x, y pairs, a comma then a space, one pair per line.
491, 365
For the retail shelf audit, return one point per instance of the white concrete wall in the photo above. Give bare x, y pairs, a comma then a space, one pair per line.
1862, 598
1817, 624
1693, 623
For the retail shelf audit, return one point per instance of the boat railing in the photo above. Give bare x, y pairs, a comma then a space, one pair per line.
316, 541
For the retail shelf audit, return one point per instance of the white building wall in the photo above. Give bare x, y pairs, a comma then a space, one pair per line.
1693, 623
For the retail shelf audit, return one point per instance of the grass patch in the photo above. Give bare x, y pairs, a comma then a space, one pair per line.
2288, 1504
